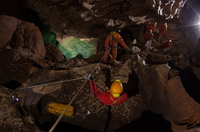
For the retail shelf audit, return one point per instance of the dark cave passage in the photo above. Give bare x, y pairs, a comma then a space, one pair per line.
12, 8
63, 127
131, 87
12, 84
191, 83
148, 122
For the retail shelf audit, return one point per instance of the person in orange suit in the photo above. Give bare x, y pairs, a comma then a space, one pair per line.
148, 26
151, 26
147, 36
111, 46
162, 29
154, 27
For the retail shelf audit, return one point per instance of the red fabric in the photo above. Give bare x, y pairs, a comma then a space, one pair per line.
162, 30
165, 45
148, 26
147, 36
151, 27
105, 97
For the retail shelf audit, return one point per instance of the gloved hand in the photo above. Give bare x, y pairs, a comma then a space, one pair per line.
109, 48
129, 49
89, 77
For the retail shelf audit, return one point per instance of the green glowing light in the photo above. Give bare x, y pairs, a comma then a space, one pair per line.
81, 48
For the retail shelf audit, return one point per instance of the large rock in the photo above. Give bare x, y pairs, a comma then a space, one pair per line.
185, 112
168, 97
7, 28
27, 42
10, 115
86, 16
53, 53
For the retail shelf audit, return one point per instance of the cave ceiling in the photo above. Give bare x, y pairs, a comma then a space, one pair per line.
85, 18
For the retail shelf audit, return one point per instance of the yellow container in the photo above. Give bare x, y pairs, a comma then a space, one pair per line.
58, 108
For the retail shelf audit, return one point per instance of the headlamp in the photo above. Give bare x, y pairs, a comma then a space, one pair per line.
116, 95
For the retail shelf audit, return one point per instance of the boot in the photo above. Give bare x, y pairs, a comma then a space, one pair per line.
117, 63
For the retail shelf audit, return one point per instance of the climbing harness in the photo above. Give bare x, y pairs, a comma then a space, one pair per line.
113, 100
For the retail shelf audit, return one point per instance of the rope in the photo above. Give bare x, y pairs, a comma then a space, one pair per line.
63, 80
86, 78
50, 83
58, 120
60, 117
99, 63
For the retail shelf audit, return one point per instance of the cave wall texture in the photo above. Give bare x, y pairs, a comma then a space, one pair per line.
162, 83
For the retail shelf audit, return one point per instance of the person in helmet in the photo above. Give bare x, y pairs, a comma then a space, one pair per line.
162, 29
111, 46
151, 26
148, 26
114, 96
154, 27
166, 44
148, 36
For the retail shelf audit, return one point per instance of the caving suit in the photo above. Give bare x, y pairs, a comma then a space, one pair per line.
166, 45
153, 28
106, 97
109, 42
147, 37
162, 30
150, 26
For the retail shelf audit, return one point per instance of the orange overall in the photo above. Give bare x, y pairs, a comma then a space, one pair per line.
151, 26
148, 26
147, 36
112, 43
162, 29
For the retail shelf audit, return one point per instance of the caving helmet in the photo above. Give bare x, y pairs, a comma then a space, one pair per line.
155, 24
115, 35
148, 23
116, 88
165, 24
